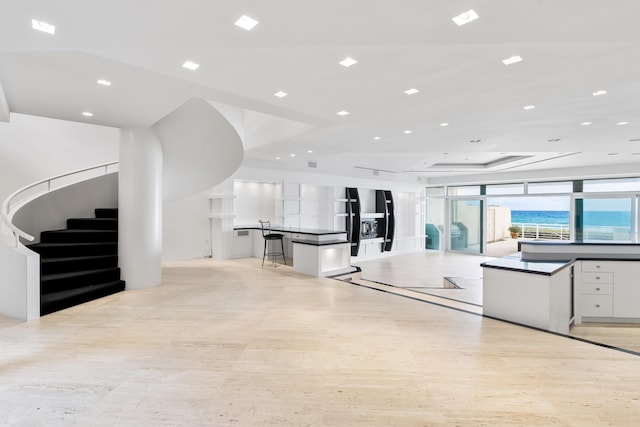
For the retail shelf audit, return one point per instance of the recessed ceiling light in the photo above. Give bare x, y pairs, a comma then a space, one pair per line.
554, 140
377, 138
529, 107
444, 124
43, 26
280, 94
277, 158
466, 17
600, 93
104, 82
511, 60
190, 65
622, 123
411, 91
246, 22
342, 113
292, 155
586, 123
309, 151
348, 62
407, 131
87, 114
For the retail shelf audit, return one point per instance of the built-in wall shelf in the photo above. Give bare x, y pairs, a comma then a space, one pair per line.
221, 196
352, 223
221, 216
372, 215
384, 205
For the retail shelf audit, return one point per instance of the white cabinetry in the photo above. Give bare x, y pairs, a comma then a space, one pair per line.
242, 243
607, 291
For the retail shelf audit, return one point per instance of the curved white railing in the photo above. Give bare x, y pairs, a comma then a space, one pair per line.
66, 179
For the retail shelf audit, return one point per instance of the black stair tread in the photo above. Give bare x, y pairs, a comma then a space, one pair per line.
74, 244
101, 219
93, 223
81, 230
77, 258
64, 299
77, 233
106, 213
74, 274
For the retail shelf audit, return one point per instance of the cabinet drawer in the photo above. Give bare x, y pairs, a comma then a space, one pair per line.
596, 305
597, 277
598, 266
596, 289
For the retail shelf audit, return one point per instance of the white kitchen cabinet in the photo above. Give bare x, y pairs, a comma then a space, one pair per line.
607, 291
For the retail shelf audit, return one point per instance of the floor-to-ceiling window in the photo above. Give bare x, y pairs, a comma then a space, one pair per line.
607, 210
471, 218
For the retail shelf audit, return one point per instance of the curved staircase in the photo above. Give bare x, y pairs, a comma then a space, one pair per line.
80, 263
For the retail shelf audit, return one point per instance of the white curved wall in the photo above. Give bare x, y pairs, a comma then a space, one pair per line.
200, 149
202, 146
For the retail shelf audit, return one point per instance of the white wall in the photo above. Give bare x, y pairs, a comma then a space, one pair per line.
186, 229
254, 200
34, 148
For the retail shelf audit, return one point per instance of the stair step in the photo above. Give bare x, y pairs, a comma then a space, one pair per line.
93, 223
70, 264
60, 250
78, 236
63, 281
64, 299
106, 213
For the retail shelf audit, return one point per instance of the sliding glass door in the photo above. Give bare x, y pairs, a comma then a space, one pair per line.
465, 227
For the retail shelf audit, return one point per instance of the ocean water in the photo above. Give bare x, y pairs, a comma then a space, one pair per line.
591, 218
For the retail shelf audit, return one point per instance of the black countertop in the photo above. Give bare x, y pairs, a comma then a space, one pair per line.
515, 263
282, 229
322, 243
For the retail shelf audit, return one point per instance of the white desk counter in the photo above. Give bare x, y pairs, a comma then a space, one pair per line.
316, 252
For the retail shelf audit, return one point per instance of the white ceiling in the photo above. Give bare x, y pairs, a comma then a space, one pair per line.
570, 48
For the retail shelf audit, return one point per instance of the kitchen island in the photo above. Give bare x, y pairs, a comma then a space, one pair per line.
550, 285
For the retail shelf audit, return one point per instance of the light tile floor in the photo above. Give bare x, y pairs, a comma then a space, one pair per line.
229, 343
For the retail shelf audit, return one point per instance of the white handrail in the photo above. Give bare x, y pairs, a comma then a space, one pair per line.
6, 205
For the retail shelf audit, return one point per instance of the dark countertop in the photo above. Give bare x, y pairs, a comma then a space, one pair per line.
322, 243
311, 231
515, 263
578, 243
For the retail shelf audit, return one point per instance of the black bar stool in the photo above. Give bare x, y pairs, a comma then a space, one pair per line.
271, 237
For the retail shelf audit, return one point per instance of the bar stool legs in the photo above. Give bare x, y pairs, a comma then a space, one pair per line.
270, 252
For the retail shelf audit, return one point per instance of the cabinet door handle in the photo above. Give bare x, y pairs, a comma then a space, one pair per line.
597, 305
597, 277
597, 289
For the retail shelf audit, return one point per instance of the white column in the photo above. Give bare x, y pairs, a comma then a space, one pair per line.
140, 208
